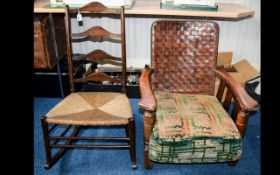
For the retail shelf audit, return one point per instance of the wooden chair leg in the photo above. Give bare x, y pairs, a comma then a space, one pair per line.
62, 150
45, 131
52, 160
233, 163
149, 120
131, 135
148, 163
241, 121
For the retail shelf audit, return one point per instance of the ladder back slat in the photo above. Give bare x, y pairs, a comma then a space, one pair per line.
96, 55
95, 7
96, 31
100, 76
92, 74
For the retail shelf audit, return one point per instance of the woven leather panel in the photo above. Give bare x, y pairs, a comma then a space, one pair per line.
91, 108
184, 54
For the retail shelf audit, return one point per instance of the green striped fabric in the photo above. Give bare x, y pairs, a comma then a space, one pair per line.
193, 129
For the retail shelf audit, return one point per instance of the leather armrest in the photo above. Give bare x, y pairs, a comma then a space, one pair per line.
148, 100
245, 101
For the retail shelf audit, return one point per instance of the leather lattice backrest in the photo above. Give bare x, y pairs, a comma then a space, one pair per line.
184, 54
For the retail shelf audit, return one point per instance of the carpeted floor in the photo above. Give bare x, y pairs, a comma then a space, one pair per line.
96, 161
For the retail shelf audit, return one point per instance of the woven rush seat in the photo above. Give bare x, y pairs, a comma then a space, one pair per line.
193, 129
91, 108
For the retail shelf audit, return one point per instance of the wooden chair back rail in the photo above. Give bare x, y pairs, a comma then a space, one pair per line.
95, 7
97, 76
236, 110
97, 31
123, 47
69, 48
227, 100
221, 89
96, 55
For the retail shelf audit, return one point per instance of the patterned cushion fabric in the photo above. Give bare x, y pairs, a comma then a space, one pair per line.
193, 129
91, 108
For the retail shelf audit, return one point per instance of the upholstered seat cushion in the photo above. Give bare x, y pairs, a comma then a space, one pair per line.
193, 129
92, 108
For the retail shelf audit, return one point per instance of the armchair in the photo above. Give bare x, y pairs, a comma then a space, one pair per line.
183, 121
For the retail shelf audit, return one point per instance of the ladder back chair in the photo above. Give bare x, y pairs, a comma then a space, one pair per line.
183, 121
87, 109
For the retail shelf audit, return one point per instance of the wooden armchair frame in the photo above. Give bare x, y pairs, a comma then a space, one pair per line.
183, 60
243, 104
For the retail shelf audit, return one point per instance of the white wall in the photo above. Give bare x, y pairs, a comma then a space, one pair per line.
241, 37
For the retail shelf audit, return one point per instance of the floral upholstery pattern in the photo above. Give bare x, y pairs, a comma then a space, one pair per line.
193, 129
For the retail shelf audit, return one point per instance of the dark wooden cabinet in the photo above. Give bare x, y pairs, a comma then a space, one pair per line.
47, 42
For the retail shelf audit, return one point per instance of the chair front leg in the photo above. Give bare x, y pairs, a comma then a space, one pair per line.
242, 120
45, 130
51, 160
149, 120
131, 134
